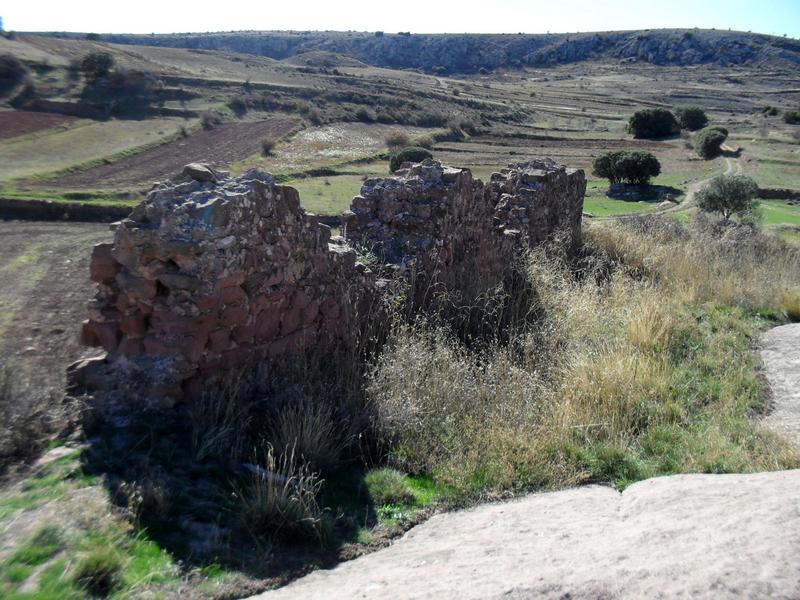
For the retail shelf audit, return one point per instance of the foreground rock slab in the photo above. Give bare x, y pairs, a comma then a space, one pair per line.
685, 536
781, 355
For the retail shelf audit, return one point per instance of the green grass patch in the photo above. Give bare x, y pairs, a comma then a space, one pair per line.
777, 212
327, 195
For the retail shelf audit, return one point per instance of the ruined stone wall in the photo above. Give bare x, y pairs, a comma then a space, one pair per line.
211, 272
446, 223
207, 275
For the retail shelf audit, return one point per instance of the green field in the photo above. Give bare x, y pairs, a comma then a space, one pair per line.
327, 195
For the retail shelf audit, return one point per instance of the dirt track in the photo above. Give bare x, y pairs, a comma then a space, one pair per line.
220, 146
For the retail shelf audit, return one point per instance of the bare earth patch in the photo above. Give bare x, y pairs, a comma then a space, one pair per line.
14, 123
44, 268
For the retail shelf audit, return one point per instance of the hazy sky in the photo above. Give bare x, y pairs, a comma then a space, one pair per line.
418, 16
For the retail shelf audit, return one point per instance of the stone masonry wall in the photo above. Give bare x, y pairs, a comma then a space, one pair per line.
211, 272
445, 222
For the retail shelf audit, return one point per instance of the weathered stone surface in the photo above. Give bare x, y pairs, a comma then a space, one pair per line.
199, 172
208, 274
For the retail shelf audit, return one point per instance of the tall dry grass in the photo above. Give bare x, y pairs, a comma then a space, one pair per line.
639, 364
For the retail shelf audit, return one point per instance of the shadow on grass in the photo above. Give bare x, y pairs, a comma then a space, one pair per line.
643, 193
189, 507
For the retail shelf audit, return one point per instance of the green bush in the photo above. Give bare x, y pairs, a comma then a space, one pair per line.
708, 141
388, 486
691, 118
632, 167
96, 65
729, 195
411, 154
99, 572
769, 111
792, 117
653, 123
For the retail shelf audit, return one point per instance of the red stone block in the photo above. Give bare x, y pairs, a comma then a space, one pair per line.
232, 294
244, 334
103, 268
267, 325
291, 320
105, 334
310, 313
134, 325
219, 340
131, 347
136, 287
233, 316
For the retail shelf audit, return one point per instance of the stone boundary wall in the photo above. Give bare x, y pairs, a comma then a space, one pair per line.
211, 272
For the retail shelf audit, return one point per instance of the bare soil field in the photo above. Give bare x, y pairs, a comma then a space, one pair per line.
220, 146
21, 122
44, 269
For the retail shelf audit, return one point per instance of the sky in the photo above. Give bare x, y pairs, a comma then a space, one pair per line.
776, 17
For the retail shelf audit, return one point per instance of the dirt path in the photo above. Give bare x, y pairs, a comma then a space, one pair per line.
781, 355
732, 166
686, 536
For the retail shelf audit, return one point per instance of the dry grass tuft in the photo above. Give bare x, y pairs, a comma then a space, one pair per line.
280, 500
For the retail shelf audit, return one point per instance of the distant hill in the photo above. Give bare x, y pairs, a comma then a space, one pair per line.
467, 53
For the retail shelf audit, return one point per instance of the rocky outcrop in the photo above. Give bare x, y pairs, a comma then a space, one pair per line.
212, 273
467, 53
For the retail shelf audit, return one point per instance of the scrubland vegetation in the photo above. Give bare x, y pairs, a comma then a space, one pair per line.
631, 358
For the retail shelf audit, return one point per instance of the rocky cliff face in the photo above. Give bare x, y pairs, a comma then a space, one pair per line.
465, 53
212, 273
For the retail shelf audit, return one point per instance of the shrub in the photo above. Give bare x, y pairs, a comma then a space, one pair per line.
769, 111
410, 154
388, 486
99, 573
792, 117
396, 138
708, 142
210, 119
729, 195
691, 118
365, 115
425, 141
11, 69
96, 65
315, 117
267, 146
653, 123
280, 500
632, 167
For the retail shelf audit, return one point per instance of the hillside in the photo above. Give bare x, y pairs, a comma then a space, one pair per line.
466, 53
